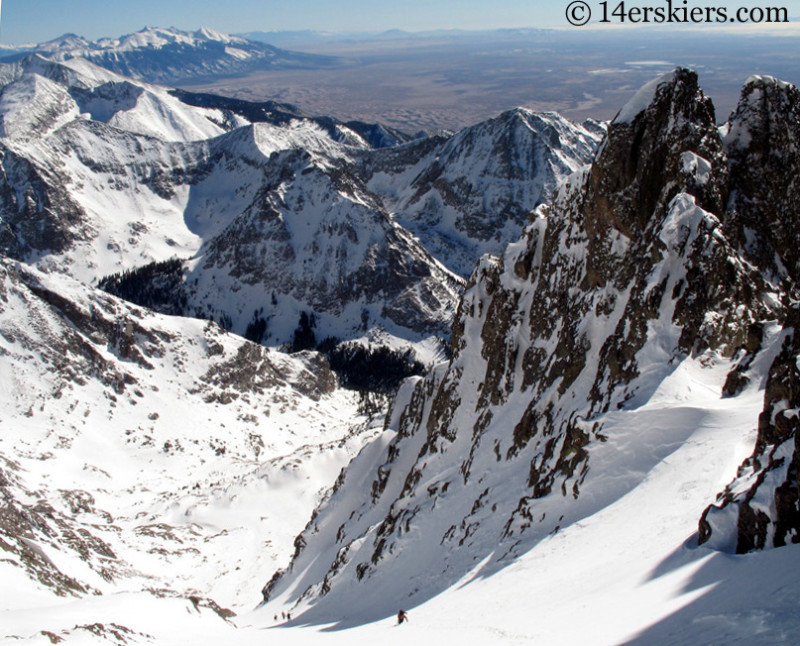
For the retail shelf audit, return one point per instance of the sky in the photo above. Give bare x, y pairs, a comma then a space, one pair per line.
32, 21
25, 21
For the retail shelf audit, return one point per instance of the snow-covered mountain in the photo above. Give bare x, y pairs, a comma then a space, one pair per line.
627, 362
473, 193
275, 222
161, 55
104, 175
259, 215
595, 365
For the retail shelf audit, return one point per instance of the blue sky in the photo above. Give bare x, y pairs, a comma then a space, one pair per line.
27, 21
23, 21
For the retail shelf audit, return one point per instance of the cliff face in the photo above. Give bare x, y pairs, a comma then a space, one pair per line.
638, 270
762, 140
761, 507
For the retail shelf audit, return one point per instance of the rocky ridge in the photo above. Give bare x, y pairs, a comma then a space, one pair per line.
761, 507
635, 273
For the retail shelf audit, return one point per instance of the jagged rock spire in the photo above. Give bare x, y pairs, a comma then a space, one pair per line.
761, 507
762, 140
643, 164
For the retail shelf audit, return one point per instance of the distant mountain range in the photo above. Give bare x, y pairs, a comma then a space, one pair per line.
173, 56
289, 38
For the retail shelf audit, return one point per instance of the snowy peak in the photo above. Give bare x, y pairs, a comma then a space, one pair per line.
643, 98
472, 193
171, 55
65, 42
34, 106
314, 242
44, 67
156, 38
72, 46
650, 175
62, 92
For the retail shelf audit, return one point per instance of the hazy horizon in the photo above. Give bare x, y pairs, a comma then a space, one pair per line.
35, 21
456, 75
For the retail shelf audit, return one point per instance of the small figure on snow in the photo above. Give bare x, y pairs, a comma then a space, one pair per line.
401, 616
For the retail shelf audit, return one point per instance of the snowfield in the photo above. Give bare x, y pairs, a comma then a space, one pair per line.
628, 573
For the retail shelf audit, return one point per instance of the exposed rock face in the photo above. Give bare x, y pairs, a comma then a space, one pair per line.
761, 508
24, 527
38, 215
762, 140
633, 270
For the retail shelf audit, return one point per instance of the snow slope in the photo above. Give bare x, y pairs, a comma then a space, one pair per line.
623, 575
141, 451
